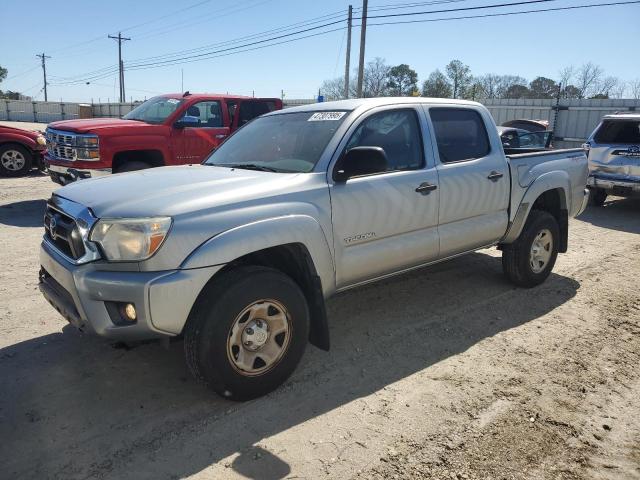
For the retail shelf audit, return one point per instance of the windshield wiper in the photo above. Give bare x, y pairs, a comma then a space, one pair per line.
250, 166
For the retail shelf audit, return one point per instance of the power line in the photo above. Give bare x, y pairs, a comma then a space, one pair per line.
574, 7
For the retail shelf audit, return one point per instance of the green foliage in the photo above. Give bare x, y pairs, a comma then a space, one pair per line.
437, 86
402, 80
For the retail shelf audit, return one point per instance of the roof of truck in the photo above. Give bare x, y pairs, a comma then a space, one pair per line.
198, 96
354, 103
623, 115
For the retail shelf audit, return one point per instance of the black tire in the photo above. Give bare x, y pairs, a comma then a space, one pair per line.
209, 329
18, 152
132, 166
597, 196
516, 263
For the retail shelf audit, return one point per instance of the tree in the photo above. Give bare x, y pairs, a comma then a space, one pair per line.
402, 80
333, 89
543, 87
460, 76
505, 82
489, 84
606, 86
570, 91
566, 75
376, 78
518, 91
3, 73
587, 78
634, 86
437, 86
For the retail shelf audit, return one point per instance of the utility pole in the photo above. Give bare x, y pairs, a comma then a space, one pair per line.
348, 59
44, 57
120, 39
182, 80
363, 38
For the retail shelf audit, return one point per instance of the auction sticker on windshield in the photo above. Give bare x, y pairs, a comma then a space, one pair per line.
325, 116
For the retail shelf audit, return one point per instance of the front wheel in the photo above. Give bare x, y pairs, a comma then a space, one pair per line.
15, 160
247, 332
528, 261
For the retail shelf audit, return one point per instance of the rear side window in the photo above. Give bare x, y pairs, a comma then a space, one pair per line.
618, 131
254, 108
460, 134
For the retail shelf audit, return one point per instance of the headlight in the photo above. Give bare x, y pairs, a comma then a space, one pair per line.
41, 140
130, 239
87, 141
87, 154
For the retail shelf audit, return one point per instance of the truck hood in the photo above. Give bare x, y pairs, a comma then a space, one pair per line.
96, 124
173, 191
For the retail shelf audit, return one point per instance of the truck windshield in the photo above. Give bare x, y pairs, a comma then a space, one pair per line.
154, 110
288, 142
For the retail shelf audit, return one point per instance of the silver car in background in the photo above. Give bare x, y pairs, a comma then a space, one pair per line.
614, 157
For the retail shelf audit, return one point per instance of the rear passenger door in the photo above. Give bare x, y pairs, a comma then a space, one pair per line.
386, 222
252, 108
474, 180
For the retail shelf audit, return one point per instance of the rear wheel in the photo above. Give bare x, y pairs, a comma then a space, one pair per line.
597, 196
15, 160
528, 261
247, 332
132, 166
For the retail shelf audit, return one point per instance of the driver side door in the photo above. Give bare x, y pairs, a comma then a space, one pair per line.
204, 128
388, 221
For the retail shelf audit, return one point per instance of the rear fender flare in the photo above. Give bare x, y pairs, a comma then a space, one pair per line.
557, 180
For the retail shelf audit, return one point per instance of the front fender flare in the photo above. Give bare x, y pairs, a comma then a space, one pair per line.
236, 242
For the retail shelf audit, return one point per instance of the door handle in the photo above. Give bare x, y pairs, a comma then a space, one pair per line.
426, 188
495, 176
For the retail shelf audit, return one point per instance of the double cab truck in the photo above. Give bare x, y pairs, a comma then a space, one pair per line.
614, 157
173, 129
239, 254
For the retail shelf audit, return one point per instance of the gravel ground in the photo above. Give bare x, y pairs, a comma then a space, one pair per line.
445, 373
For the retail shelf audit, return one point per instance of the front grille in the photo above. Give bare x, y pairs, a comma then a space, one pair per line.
61, 230
61, 138
63, 153
61, 144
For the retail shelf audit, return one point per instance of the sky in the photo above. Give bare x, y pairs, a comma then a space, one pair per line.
74, 35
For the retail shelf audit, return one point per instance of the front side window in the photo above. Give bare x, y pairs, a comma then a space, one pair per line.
155, 110
619, 131
460, 134
288, 142
397, 132
204, 115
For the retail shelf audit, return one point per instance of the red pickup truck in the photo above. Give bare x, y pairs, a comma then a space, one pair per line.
171, 129
20, 151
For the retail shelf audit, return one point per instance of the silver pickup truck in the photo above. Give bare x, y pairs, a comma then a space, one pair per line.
239, 254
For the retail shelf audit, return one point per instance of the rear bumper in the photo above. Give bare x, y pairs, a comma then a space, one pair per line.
64, 175
614, 185
85, 296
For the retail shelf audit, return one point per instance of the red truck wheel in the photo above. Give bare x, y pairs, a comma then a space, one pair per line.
15, 160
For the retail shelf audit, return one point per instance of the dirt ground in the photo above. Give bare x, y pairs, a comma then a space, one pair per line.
445, 373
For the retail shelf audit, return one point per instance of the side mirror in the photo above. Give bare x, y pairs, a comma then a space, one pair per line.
186, 121
360, 161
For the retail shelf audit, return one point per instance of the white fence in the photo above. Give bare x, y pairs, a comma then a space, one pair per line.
575, 119
572, 119
45, 112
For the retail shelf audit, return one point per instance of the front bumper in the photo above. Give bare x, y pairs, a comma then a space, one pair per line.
83, 293
615, 186
64, 175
